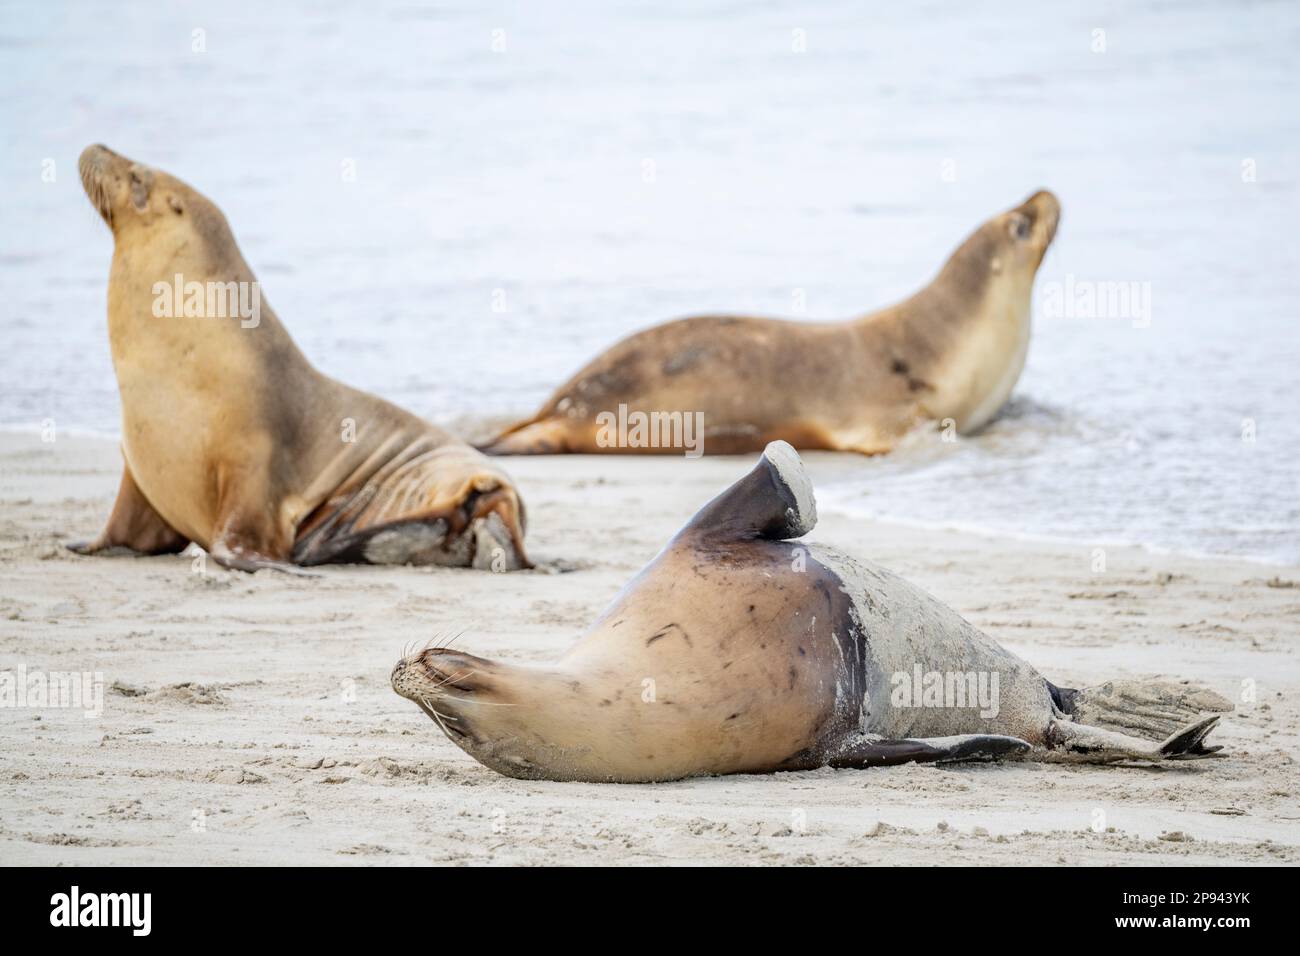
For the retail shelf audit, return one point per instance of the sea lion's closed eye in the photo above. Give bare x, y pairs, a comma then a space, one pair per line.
140, 189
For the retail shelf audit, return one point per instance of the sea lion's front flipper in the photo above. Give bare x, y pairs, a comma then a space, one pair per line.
773, 501
134, 527
875, 752
248, 537
242, 559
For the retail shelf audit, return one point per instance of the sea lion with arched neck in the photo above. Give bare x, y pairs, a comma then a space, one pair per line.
949, 354
742, 650
233, 440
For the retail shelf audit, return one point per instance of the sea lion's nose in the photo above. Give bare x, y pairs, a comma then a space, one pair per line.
1044, 198
1045, 204
98, 154
92, 154
1043, 207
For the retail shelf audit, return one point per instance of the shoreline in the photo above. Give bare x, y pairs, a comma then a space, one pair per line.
247, 718
473, 429
1051, 540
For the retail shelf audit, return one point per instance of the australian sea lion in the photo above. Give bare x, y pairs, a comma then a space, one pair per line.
952, 352
231, 438
739, 650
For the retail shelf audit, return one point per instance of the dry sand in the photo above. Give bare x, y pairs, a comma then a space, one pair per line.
248, 719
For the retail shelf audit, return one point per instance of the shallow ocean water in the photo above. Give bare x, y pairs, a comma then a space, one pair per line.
515, 210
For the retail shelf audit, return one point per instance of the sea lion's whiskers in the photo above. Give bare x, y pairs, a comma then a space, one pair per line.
451, 678
99, 198
453, 639
440, 641
481, 703
438, 717
439, 713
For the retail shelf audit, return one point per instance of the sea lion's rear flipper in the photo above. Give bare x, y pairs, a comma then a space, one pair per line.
876, 752
545, 436
775, 501
1144, 708
435, 509
1072, 741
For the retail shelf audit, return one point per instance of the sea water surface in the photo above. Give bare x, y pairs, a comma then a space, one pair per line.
454, 205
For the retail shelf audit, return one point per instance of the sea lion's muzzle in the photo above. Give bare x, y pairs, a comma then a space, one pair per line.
94, 157
1043, 210
437, 671
438, 681
112, 181
92, 165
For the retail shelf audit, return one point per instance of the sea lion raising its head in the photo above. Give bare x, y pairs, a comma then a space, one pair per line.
952, 352
740, 650
232, 440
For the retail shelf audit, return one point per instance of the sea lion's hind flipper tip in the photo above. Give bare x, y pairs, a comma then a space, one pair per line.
1189, 743
774, 500
1073, 740
871, 752
544, 435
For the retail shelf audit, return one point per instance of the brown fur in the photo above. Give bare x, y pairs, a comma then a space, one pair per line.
233, 440
952, 351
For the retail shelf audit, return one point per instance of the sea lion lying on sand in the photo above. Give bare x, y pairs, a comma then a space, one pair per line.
741, 650
952, 352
